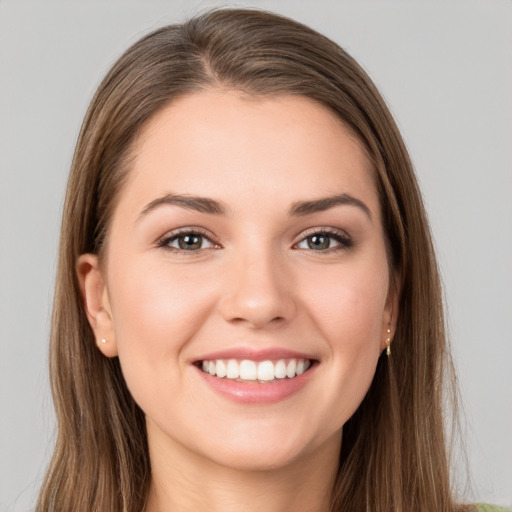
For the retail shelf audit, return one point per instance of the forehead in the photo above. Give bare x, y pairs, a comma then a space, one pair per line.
238, 147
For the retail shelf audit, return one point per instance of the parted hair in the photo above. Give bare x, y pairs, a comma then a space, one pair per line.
394, 455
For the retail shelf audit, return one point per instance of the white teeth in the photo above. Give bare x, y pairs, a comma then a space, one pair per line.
280, 369
263, 371
266, 370
248, 370
221, 369
233, 371
290, 369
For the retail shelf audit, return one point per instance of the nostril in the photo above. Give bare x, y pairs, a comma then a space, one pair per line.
257, 302
257, 323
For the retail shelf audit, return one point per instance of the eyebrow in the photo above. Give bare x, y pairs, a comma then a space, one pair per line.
320, 205
214, 207
197, 203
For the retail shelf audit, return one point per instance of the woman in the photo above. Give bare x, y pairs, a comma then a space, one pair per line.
248, 312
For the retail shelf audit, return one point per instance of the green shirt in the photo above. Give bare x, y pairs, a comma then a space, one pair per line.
482, 507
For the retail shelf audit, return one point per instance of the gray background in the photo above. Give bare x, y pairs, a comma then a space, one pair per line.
445, 69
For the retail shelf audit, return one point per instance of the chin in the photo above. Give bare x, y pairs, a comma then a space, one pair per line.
254, 458
269, 447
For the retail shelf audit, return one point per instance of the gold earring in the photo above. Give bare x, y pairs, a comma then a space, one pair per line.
388, 343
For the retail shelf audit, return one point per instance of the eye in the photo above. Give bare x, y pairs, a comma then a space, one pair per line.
187, 241
325, 240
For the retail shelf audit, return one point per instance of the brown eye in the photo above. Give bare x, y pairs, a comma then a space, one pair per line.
323, 241
318, 242
190, 242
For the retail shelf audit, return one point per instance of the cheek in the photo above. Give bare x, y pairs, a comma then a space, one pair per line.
155, 302
349, 307
349, 314
156, 312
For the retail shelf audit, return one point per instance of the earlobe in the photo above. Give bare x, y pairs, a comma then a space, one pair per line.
97, 303
391, 313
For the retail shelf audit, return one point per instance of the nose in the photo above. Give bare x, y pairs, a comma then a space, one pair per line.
258, 292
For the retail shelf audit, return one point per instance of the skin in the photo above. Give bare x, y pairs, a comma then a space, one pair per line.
256, 282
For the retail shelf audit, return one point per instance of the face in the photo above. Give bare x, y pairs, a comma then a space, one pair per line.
246, 288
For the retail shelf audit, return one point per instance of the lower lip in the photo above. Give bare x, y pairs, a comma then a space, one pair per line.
256, 392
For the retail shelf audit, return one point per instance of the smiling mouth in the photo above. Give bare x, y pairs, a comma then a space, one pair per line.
255, 371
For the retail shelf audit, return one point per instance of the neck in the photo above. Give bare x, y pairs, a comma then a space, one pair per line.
183, 481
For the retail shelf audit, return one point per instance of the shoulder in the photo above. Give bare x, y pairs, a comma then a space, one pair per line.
483, 507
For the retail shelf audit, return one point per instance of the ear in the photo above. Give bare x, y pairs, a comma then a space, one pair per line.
390, 316
97, 303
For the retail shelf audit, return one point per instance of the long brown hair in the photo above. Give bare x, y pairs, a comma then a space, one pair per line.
393, 455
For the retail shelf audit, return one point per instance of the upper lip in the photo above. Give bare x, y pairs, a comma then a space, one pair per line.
253, 354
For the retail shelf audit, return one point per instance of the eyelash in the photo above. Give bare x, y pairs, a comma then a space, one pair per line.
175, 235
343, 239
